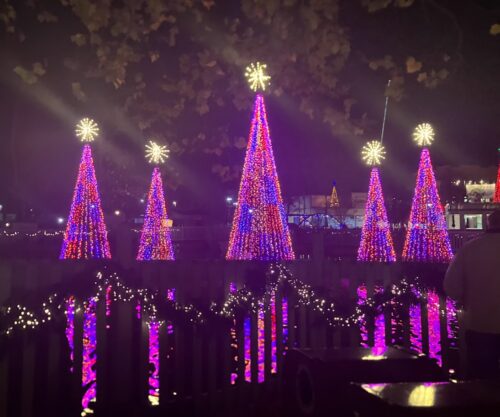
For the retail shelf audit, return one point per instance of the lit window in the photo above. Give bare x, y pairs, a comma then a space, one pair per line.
473, 221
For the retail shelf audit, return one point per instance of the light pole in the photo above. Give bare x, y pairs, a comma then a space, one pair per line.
229, 204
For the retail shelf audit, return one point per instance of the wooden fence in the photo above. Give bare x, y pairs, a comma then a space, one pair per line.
208, 368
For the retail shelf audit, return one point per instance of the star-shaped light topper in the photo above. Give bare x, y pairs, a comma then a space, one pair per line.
423, 134
156, 154
86, 130
373, 153
257, 77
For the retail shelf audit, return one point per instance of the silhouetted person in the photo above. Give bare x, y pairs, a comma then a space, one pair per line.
473, 278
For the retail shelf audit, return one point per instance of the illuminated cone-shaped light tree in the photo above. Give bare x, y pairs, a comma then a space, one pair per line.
156, 243
86, 236
376, 240
259, 230
427, 237
496, 197
334, 197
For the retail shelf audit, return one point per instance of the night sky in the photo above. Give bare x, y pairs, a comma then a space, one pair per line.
464, 111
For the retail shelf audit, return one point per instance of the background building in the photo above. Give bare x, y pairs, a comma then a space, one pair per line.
473, 212
318, 211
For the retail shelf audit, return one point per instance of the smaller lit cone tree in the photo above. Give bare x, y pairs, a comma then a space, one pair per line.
496, 197
427, 237
86, 236
376, 241
156, 242
334, 197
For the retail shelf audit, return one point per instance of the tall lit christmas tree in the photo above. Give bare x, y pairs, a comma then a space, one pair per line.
260, 230
86, 235
427, 237
376, 240
496, 197
156, 243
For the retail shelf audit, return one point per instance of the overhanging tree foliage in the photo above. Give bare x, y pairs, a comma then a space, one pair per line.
169, 69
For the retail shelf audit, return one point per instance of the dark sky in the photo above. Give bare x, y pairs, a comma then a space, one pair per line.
464, 111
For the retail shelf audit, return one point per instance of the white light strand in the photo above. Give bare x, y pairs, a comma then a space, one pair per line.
21, 317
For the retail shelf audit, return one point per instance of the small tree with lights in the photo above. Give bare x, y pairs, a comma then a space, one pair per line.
156, 243
260, 229
427, 237
86, 235
376, 240
334, 197
496, 197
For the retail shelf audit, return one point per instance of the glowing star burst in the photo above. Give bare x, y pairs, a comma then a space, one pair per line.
423, 134
257, 77
373, 153
87, 130
156, 154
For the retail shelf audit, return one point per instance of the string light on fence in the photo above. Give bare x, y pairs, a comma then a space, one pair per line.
111, 287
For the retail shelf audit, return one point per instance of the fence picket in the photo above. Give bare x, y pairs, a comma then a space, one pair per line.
204, 360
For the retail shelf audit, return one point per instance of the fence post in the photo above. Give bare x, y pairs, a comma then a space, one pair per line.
28, 373
213, 359
120, 355
443, 324
41, 371
102, 366
371, 315
462, 346
254, 348
196, 367
267, 342
303, 342
225, 343
14, 373
76, 391
280, 348
4, 380
179, 346
240, 338
406, 327
291, 321
167, 368
424, 316
140, 362
388, 313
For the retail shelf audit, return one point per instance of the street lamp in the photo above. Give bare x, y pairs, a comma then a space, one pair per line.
229, 204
